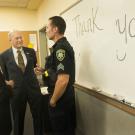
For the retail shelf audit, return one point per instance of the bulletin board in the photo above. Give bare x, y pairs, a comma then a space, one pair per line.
4, 42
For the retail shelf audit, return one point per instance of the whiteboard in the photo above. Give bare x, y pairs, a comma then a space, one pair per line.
102, 33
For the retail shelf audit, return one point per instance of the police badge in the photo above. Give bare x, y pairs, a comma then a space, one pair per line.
60, 54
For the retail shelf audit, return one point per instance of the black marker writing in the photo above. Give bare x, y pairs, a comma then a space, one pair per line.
120, 58
127, 28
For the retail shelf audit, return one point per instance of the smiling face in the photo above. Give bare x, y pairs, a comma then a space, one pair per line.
16, 39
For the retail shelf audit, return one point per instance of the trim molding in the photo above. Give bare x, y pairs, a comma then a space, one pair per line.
107, 99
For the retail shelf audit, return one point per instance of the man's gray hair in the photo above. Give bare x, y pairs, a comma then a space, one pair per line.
11, 33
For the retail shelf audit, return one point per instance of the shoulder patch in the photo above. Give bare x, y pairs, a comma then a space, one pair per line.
60, 54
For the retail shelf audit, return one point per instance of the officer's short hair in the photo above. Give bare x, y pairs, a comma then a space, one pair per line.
58, 22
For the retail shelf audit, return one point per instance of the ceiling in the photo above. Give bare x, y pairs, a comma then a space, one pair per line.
29, 4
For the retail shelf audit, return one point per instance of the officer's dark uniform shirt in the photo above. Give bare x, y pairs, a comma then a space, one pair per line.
64, 63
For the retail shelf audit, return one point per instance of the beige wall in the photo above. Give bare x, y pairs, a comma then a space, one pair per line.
47, 9
27, 20
15, 18
50, 8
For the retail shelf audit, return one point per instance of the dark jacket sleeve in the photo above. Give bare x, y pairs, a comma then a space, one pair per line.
4, 89
34, 57
3, 59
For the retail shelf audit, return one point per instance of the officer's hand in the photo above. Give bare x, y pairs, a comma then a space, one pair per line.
52, 103
10, 83
38, 70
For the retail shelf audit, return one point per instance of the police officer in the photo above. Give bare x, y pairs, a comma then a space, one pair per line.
62, 99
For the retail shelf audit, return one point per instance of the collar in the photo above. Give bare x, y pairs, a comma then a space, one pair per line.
15, 49
58, 41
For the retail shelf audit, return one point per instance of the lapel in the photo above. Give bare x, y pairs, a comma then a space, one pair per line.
12, 59
1, 78
1, 66
27, 54
1, 70
1, 74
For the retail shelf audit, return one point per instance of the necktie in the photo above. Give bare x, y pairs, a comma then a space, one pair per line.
21, 61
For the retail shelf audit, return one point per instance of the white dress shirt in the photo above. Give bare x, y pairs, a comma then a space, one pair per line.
16, 55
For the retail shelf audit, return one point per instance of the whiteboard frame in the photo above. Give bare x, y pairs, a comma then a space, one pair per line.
123, 106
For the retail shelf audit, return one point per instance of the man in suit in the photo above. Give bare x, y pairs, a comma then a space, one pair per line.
19, 63
5, 117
